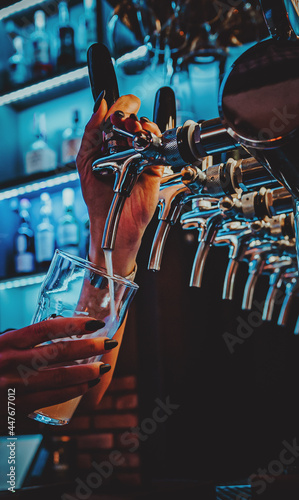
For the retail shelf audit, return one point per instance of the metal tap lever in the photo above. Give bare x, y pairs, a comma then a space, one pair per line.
276, 270
212, 227
237, 247
255, 269
173, 195
291, 290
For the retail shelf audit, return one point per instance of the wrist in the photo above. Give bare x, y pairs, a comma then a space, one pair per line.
124, 262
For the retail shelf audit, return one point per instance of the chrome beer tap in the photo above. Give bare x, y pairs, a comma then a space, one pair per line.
212, 226
291, 282
173, 195
237, 240
276, 268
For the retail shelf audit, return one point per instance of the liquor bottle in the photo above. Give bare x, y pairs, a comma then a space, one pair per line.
40, 158
17, 67
41, 66
90, 11
68, 233
72, 137
24, 241
67, 52
45, 234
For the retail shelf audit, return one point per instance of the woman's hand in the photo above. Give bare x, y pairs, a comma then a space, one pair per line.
31, 369
139, 208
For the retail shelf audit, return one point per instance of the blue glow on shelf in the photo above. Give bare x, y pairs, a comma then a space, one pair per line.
38, 186
21, 282
37, 88
18, 7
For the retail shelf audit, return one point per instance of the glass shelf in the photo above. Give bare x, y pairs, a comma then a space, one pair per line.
39, 181
19, 7
21, 281
46, 90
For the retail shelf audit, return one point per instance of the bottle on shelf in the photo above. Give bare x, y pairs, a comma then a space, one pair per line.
45, 234
68, 231
41, 67
17, 67
71, 139
67, 51
40, 158
24, 247
90, 11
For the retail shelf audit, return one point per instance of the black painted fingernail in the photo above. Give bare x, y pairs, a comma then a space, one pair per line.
94, 324
119, 113
110, 344
94, 382
134, 117
98, 101
104, 368
144, 119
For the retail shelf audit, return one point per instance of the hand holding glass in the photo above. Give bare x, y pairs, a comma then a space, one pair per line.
76, 287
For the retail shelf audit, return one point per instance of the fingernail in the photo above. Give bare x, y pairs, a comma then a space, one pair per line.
104, 368
144, 119
98, 101
94, 382
134, 117
94, 324
110, 344
119, 113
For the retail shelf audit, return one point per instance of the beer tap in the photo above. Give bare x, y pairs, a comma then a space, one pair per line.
276, 269
231, 177
255, 269
212, 226
262, 116
291, 290
173, 195
237, 240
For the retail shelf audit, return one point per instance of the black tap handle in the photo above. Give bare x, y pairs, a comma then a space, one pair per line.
101, 73
165, 109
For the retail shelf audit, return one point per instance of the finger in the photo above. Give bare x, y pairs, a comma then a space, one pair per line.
32, 402
58, 378
44, 331
132, 124
60, 352
150, 126
128, 104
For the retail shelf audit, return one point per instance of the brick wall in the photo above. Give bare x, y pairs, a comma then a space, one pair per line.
103, 435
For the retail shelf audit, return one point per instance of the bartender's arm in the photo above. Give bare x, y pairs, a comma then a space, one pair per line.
138, 209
